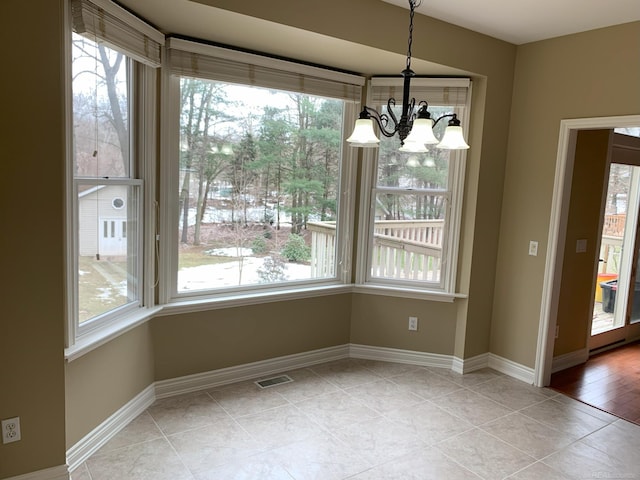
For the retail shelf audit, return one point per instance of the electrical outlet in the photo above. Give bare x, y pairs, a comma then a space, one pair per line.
11, 430
413, 323
533, 248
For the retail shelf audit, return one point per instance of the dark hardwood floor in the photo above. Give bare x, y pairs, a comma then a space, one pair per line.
609, 381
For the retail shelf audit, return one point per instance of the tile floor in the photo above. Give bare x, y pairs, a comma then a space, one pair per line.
370, 420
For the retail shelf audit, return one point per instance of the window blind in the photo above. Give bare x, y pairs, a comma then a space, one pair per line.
437, 91
188, 58
118, 28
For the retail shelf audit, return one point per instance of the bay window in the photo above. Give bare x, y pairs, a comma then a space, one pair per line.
112, 61
256, 187
413, 200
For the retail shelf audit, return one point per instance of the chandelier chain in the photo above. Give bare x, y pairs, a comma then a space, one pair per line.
412, 4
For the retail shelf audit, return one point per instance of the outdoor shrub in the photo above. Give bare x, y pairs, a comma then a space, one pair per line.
296, 250
259, 245
272, 270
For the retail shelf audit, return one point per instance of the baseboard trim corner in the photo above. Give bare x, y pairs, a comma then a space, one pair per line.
100, 435
512, 369
568, 360
61, 472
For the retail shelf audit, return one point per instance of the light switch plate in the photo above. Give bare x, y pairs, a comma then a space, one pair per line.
581, 245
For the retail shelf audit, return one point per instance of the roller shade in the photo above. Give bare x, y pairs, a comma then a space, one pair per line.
437, 91
193, 59
119, 29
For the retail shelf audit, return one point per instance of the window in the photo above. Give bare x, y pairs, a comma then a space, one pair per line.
415, 198
258, 179
108, 161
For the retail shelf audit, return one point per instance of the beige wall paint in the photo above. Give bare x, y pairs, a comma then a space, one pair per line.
105, 379
32, 266
590, 74
574, 312
383, 322
199, 342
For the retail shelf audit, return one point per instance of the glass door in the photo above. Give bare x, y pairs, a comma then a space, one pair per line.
617, 295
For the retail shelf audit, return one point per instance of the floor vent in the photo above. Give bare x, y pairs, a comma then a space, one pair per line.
273, 381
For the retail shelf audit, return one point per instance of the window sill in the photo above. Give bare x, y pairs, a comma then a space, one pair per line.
238, 300
404, 292
92, 340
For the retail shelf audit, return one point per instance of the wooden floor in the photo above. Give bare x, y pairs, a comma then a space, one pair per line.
609, 381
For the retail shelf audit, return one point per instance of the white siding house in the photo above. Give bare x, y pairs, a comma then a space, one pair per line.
102, 220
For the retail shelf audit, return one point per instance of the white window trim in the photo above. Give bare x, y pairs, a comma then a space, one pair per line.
379, 286
79, 341
180, 302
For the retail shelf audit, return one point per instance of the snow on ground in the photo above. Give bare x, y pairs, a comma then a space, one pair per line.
230, 274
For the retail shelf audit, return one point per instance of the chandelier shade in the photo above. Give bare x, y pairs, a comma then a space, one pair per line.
415, 130
363, 134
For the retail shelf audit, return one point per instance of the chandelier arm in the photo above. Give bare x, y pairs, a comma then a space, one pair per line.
453, 116
382, 119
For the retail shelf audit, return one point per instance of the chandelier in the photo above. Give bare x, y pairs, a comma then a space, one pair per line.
415, 130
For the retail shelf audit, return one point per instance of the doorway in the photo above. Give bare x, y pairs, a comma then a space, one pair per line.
617, 299
556, 239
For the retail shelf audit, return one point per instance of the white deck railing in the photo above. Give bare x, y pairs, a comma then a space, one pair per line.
402, 249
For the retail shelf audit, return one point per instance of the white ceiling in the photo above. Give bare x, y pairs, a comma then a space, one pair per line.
516, 21
524, 21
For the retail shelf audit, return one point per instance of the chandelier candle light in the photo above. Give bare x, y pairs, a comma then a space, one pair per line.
415, 130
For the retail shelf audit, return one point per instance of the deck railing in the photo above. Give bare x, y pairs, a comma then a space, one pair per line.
402, 249
611, 243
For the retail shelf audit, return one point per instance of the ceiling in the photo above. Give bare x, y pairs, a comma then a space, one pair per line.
524, 21
515, 21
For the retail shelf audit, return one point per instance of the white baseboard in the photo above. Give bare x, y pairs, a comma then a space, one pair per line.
100, 435
81, 451
472, 364
248, 371
568, 360
511, 368
54, 473
399, 356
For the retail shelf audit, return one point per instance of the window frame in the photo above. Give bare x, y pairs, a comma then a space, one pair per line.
79, 339
365, 282
175, 301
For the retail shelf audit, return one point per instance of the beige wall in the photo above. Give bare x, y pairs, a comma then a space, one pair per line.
382, 321
590, 74
574, 307
200, 342
105, 379
32, 265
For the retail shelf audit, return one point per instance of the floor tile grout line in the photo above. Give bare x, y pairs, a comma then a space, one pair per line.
173, 448
433, 401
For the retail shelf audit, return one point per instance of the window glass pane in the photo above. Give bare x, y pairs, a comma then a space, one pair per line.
100, 110
106, 240
408, 236
410, 209
258, 185
413, 170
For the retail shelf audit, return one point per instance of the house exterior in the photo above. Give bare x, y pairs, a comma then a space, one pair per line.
521, 94
102, 222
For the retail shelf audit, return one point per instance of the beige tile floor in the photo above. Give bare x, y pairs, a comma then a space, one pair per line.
360, 419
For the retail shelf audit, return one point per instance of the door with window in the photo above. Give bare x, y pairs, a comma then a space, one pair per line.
113, 236
616, 312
